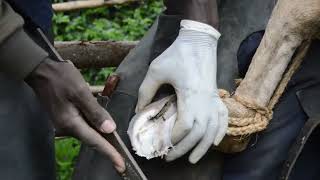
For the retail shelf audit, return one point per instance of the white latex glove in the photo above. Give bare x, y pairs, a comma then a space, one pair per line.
190, 66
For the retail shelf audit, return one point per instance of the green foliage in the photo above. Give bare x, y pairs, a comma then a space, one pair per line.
128, 22
66, 153
97, 76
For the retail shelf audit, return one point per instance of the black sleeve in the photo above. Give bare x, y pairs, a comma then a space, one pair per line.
19, 54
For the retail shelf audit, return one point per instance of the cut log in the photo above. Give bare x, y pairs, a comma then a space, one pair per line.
76, 5
96, 54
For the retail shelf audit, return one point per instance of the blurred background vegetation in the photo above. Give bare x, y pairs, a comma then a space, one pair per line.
123, 22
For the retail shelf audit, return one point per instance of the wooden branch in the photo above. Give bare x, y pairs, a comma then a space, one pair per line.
95, 54
76, 5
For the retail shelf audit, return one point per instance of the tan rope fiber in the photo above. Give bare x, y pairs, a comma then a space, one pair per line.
240, 126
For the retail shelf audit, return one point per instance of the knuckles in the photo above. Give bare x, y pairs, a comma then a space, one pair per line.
223, 110
141, 91
154, 68
80, 90
66, 125
186, 127
68, 120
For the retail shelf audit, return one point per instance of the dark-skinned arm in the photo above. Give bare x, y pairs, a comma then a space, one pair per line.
59, 86
204, 11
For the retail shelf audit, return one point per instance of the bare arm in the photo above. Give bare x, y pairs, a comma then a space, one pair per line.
205, 11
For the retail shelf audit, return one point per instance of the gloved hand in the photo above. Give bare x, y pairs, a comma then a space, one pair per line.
72, 107
190, 64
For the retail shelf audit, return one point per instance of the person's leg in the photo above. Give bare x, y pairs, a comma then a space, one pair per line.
26, 135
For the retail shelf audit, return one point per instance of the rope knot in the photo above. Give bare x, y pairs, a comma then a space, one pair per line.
242, 123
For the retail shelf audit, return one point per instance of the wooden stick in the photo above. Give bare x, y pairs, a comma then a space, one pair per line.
76, 5
95, 54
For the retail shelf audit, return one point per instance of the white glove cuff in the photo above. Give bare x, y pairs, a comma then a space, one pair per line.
200, 27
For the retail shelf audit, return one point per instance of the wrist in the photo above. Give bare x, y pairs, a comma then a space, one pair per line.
204, 11
40, 72
198, 34
199, 27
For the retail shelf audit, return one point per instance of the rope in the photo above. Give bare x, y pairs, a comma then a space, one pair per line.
259, 120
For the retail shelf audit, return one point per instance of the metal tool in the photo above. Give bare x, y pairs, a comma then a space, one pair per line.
133, 171
52, 51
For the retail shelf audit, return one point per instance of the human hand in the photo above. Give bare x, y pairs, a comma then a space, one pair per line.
73, 109
189, 64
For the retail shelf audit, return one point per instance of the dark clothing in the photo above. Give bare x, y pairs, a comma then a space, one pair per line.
36, 13
246, 51
17, 59
26, 134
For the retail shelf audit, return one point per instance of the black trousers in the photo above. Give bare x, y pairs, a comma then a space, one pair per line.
26, 135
